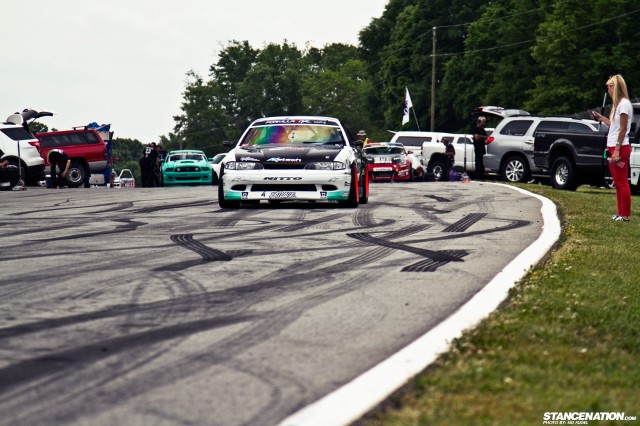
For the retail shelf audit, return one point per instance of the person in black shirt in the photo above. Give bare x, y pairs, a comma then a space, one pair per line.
479, 147
148, 166
450, 153
58, 159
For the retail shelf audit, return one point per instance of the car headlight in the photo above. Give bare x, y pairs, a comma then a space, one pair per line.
235, 165
326, 165
400, 160
370, 159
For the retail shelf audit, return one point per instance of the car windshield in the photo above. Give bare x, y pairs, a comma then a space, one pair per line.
194, 157
384, 150
293, 134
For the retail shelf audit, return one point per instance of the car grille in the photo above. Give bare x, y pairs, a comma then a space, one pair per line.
283, 166
283, 187
383, 174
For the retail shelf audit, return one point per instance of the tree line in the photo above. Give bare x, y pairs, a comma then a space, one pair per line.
543, 56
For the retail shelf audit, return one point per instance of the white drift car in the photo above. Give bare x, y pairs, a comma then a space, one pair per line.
293, 159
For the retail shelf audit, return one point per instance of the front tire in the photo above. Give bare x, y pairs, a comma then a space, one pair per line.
225, 204
354, 190
515, 169
563, 174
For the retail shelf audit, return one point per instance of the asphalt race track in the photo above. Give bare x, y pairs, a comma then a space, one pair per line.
153, 306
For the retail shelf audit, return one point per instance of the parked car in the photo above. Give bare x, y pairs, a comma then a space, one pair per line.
20, 146
85, 148
388, 162
510, 147
571, 156
190, 167
215, 163
434, 159
300, 158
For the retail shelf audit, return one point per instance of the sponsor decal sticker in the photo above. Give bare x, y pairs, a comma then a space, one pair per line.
284, 160
282, 195
245, 195
249, 159
282, 178
323, 194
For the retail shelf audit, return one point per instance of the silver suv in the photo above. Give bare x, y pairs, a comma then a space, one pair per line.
20, 146
510, 147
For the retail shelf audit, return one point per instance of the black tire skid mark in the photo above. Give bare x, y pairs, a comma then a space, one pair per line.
235, 217
128, 225
438, 199
16, 375
149, 210
511, 224
440, 256
431, 265
108, 207
207, 254
364, 216
308, 223
465, 223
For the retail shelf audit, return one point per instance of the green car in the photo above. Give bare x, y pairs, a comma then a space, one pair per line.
186, 167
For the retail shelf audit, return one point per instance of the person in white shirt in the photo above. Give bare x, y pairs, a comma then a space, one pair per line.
618, 146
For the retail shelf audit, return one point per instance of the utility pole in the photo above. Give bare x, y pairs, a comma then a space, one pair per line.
433, 83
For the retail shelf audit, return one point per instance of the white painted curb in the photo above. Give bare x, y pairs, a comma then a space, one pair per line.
350, 402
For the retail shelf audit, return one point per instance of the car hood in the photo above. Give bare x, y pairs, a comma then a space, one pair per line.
28, 114
497, 111
186, 163
284, 154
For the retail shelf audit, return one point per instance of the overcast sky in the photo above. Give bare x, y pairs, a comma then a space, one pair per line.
124, 62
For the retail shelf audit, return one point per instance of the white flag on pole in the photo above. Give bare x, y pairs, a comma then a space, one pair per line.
407, 106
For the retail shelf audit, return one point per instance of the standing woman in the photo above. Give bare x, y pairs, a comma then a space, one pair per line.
618, 146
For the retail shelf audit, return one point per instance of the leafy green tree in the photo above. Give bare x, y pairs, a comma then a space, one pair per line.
579, 45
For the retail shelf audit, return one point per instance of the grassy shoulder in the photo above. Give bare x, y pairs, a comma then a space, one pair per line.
567, 340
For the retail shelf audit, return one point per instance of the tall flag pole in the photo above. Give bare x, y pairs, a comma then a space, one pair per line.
407, 106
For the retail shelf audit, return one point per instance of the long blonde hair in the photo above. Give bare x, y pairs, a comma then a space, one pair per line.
619, 92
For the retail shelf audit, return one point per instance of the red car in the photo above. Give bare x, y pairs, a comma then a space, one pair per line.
86, 149
388, 162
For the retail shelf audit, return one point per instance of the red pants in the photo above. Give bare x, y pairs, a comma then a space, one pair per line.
620, 177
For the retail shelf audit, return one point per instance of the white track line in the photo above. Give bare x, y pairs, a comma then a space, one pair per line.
350, 402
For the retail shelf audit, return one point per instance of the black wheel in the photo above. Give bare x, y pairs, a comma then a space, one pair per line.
23, 170
76, 175
354, 190
214, 178
515, 169
225, 204
563, 174
436, 168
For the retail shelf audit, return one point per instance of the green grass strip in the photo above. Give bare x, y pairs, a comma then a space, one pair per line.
567, 340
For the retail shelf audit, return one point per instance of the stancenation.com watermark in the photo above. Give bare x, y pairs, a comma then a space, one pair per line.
582, 418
